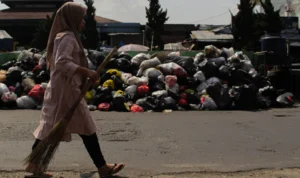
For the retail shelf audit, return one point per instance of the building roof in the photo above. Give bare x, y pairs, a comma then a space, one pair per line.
210, 36
4, 35
8, 15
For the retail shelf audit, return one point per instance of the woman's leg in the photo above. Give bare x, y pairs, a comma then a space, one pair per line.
92, 145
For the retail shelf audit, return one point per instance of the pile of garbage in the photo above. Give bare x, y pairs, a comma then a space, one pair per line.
217, 79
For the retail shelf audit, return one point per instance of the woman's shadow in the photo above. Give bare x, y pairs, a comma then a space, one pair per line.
95, 175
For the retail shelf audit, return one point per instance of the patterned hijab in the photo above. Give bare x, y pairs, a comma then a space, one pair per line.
68, 18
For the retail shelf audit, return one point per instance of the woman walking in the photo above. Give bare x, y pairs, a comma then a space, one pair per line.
68, 73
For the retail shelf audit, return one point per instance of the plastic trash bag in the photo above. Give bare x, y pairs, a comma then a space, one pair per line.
26, 102
208, 103
37, 93
149, 103
160, 94
171, 81
199, 58
131, 93
177, 53
7, 65
2, 75
203, 86
103, 95
211, 51
137, 81
96, 57
3, 89
27, 84
125, 77
139, 58
136, 108
9, 96
286, 100
172, 69
120, 105
168, 103
152, 73
187, 63
104, 107
226, 101
142, 90
199, 76
245, 97
148, 64
214, 91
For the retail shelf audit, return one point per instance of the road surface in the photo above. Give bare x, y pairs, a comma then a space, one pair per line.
165, 145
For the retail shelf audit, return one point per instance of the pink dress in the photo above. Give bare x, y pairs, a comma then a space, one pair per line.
62, 91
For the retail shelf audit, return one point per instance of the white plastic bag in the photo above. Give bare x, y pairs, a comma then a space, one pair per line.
26, 102
139, 58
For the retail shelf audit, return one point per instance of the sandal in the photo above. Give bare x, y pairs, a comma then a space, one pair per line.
41, 175
114, 170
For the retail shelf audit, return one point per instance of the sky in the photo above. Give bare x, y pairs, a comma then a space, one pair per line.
179, 11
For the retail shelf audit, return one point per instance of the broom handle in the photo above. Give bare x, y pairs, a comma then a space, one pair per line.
86, 87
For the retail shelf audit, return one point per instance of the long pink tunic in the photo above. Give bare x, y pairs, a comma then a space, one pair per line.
62, 91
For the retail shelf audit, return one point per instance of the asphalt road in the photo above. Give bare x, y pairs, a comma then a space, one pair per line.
165, 144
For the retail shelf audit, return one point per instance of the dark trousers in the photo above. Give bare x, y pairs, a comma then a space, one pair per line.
92, 145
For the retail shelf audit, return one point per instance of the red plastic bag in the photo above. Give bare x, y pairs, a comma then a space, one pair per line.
142, 90
104, 107
37, 93
136, 108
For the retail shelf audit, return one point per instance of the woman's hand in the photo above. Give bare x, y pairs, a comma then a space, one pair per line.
92, 75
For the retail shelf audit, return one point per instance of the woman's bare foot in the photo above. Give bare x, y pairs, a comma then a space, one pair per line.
110, 169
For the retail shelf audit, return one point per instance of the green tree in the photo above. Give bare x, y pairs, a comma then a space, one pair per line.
157, 17
90, 34
41, 36
242, 25
273, 23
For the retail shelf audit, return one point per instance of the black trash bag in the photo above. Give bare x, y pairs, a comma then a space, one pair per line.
174, 95
264, 102
119, 84
240, 77
271, 93
168, 103
160, 94
103, 95
226, 100
192, 98
125, 55
188, 81
7, 65
19, 89
42, 77
185, 62
208, 68
123, 64
149, 103
27, 74
119, 104
28, 64
155, 86
96, 57
218, 61
224, 73
260, 81
214, 91
212, 80
13, 78
245, 97
203, 86
112, 64
286, 100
